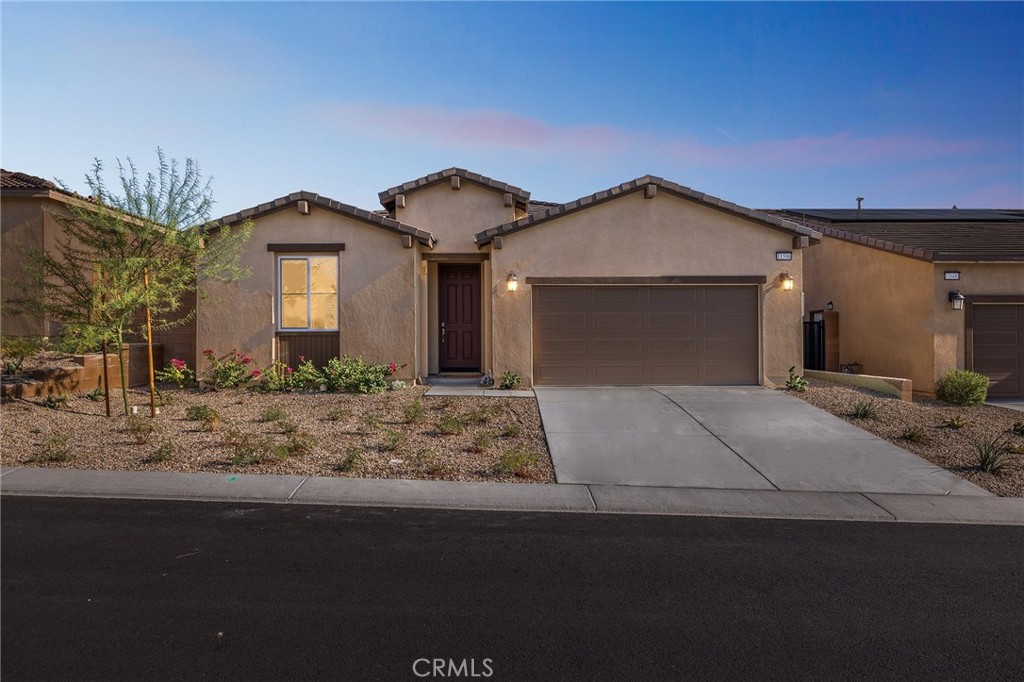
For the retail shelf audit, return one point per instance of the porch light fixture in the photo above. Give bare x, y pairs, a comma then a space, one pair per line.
512, 282
787, 281
829, 306
957, 299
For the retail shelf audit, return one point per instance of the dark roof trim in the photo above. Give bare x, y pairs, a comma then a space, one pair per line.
299, 247
930, 255
788, 226
375, 219
664, 279
387, 197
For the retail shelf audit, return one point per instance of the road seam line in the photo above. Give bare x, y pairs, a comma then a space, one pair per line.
716, 437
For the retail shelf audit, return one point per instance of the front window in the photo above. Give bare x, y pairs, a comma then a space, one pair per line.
308, 293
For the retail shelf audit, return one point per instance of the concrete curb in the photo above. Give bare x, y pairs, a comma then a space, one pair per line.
521, 497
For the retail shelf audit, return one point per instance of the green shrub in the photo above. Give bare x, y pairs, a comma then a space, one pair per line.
198, 413
298, 443
177, 372
352, 460
482, 441
414, 412
371, 421
915, 434
15, 349
512, 431
288, 426
338, 415
510, 381
993, 454
164, 452
141, 428
306, 375
480, 415
795, 382
55, 449
515, 463
251, 450
865, 410
273, 414
962, 387
1018, 428
392, 441
55, 402
353, 375
228, 371
955, 422
450, 426
97, 394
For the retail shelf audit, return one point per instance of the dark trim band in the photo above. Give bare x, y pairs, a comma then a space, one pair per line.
457, 257
665, 279
307, 248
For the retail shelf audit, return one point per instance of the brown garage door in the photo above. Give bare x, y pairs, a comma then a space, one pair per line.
999, 348
635, 335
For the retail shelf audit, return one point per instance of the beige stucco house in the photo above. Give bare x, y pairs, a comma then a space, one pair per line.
917, 293
648, 282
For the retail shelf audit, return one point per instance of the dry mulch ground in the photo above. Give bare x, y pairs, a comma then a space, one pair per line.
949, 448
369, 436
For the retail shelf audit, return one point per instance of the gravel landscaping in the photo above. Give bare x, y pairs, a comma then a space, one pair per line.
398, 434
931, 436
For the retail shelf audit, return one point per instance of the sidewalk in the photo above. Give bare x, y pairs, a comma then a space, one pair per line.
525, 497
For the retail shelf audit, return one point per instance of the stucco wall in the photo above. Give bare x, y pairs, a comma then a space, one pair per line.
377, 295
884, 303
454, 216
976, 279
22, 221
636, 237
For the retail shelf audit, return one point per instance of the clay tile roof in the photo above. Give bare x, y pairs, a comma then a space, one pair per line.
387, 197
555, 210
936, 235
370, 217
16, 180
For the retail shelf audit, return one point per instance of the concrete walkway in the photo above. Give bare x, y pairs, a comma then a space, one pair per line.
521, 497
725, 438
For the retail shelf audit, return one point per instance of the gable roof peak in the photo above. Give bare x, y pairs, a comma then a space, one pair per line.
387, 197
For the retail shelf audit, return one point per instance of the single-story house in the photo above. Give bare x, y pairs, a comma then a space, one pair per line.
27, 207
915, 293
648, 282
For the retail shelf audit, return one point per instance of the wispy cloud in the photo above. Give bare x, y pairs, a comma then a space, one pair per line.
491, 129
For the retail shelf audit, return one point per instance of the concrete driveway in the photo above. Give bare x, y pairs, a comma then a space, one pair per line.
724, 437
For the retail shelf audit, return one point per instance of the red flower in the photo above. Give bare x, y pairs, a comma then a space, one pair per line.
245, 359
178, 364
208, 351
288, 370
392, 368
302, 358
256, 374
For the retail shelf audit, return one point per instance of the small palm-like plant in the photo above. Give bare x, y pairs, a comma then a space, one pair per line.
993, 454
865, 409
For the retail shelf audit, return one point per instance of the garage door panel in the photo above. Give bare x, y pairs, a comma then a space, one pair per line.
646, 335
998, 347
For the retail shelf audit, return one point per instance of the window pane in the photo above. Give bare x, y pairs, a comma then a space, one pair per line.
293, 310
324, 276
293, 275
325, 311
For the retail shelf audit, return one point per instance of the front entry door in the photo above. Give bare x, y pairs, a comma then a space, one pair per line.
460, 317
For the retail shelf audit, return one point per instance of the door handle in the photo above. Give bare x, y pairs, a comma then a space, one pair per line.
442, 332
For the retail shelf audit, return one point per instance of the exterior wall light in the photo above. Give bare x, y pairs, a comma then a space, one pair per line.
957, 299
787, 281
829, 306
512, 282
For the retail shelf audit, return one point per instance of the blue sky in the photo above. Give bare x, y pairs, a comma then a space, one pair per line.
766, 105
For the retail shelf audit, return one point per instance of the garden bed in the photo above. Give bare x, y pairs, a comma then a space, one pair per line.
397, 434
954, 449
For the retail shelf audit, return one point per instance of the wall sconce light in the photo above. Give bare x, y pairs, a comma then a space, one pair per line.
787, 281
512, 282
957, 299
829, 306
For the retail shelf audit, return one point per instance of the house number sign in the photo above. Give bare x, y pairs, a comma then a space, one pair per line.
783, 255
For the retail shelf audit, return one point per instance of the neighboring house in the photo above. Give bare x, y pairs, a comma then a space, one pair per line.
648, 282
888, 280
27, 207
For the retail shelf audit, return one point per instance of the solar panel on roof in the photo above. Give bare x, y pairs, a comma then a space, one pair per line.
933, 215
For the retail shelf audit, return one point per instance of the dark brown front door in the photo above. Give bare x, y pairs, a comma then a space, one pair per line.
460, 317
999, 348
629, 335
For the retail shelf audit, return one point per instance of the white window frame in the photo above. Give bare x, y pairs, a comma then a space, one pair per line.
309, 296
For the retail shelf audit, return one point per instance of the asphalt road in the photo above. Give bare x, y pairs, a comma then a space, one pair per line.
145, 590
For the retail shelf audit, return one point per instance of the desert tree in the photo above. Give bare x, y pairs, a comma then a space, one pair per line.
126, 259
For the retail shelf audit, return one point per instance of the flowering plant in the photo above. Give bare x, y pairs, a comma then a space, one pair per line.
229, 370
177, 372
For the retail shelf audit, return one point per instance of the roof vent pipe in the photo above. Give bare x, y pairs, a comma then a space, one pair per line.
859, 200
